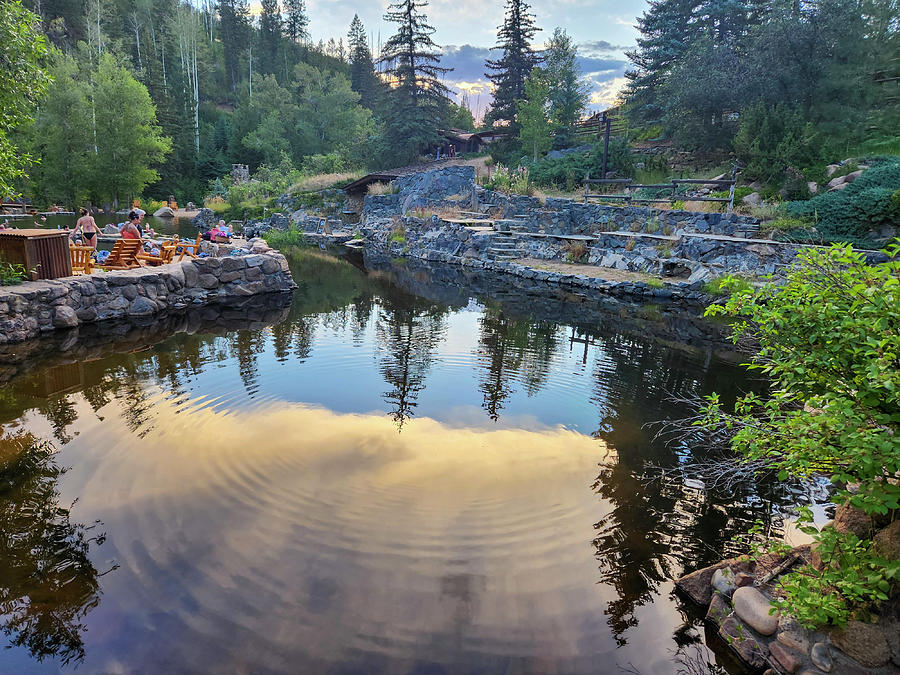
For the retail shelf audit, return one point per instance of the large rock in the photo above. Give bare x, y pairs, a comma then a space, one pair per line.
753, 199
820, 655
164, 212
862, 642
698, 585
788, 658
753, 608
142, 306
206, 218
745, 646
887, 541
65, 317
851, 519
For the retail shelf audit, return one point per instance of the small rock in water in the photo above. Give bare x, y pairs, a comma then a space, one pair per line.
788, 658
821, 657
792, 634
723, 581
743, 579
753, 607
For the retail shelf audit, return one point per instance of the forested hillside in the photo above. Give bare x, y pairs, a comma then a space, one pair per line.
161, 96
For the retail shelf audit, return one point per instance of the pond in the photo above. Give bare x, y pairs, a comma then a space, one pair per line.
405, 470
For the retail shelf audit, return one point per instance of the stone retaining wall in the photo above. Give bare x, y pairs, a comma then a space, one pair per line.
32, 308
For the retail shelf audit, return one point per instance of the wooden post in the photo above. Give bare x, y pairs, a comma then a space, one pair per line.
731, 189
587, 177
606, 123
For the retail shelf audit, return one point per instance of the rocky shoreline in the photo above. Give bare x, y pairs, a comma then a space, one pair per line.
737, 594
34, 308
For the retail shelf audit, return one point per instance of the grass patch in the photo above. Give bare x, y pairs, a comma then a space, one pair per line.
381, 189
398, 234
727, 285
655, 283
323, 181
283, 240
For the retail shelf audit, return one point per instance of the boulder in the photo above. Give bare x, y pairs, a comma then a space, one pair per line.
164, 212
110, 229
862, 642
64, 317
206, 218
723, 581
753, 608
834, 182
141, 306
698, 585
813, 187
719, 609
851, 519
831, 168
852, 176
887, 541
792, 634
753, 199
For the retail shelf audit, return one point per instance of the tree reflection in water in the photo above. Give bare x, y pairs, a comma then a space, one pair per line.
408, 331
47, 581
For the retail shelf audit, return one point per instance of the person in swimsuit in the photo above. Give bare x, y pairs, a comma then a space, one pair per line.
131, 231
88, 229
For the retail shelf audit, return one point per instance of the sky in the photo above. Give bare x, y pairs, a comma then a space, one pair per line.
466, 30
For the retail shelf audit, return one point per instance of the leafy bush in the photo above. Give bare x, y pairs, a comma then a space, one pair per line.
727, 285
576, 251
828, 341
283, 240
12, 274
504, 179
323, 164
848, 215
655, 283
570, 169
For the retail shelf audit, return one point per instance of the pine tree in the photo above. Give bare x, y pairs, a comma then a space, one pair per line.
296, 20
511, 70
234, 23
418, 98
270, 32
665, 36
363, 79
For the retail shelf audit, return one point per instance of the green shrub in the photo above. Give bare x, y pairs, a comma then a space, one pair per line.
849, 215
571, 168
788, 224
398, 234
11, 273
284, 240
828, 344
727, 285
655, 283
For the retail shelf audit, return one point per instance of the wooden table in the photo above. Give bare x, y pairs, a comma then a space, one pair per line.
44, 253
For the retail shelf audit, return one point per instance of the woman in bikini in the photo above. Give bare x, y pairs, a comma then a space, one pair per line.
88, 229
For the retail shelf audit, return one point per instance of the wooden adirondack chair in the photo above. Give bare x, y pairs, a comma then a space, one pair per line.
81, 259
166, 255
191, 248
123, 255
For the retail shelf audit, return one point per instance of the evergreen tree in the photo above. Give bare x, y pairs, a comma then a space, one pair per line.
363, 79
567, 94
270, 32
418, 99
511, 70
532, 115
665, 36
233, 26
296, 20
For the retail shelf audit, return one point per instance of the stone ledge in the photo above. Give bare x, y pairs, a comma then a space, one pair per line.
33, 308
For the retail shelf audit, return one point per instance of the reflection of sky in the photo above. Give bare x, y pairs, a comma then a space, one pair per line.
294, 534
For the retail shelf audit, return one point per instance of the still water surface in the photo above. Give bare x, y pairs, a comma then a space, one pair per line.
404, 471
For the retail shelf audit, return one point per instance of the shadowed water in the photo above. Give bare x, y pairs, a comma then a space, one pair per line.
406, 470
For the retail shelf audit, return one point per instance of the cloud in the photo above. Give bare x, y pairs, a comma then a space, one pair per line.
607, 93
597, 47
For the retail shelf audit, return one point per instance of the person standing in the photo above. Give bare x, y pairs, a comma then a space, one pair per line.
88, 228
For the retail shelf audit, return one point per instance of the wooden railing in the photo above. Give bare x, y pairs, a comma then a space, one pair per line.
630, 187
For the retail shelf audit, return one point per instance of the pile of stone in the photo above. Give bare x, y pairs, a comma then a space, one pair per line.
739, 595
